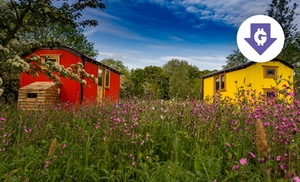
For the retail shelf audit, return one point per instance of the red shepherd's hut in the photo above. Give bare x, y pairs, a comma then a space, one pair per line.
108, 86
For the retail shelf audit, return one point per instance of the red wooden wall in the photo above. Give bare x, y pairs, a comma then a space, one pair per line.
90, 88
114, 91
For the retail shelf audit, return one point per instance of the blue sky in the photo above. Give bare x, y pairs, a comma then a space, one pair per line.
152, 32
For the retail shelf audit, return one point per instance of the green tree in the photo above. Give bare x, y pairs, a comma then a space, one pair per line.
284, 14
22, 15
185, 79
116, 64
17, 17
283, 11
235, 59
66, 35
156, 83
138, 79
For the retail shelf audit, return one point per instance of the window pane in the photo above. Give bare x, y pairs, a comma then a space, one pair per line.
99, 77
270, 72
222, 82
52, 59
107, 78
217, 83
271, 94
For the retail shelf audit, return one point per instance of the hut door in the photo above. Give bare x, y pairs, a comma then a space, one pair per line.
100, 85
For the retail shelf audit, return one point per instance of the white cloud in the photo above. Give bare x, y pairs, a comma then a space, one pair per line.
159, 47
112, 55
109, 24
88, 32
202, 62
176, 38
231, 12
115, 29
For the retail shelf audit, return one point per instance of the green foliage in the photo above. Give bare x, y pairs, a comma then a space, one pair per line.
185, 79
67, 36
235, 59
138, 79
23, 15
176, 79
116, 64
157, 83
284, 14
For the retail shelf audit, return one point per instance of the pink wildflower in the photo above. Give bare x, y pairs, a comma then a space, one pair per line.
27, 130
228, 144
296, 179
292, 94
96, 125
47, 163
251, 155
235, 167
243, 161
2, 119
117, 120
281, 166
64, 145
131, 156
278, 158
133, 163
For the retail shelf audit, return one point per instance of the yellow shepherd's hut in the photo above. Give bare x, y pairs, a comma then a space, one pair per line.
261, 76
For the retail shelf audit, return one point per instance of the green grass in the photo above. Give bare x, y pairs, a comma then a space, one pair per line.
149, 141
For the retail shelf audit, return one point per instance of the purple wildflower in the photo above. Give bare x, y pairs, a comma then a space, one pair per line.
296, 179
235, 167
64, 145
47, 163
27, 130
243, 161
278, 158
251, 155
281, 166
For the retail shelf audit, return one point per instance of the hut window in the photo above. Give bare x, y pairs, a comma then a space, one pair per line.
31, 95
222, 81
107, 78
50, 58
270, 71
99, 77
270, 93
219, 83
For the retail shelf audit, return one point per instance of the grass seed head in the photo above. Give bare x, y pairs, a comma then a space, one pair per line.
261, 141
52, 147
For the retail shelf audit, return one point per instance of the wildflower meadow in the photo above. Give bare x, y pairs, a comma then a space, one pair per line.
247, 138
